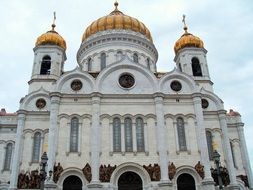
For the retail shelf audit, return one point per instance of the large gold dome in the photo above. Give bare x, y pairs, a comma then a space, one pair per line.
188, 40
116, 20
51, 38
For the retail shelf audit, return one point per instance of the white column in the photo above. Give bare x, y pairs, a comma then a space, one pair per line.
201, 133
18, 150
227, 149
160, 130
122, 130
245, 155
95, 141
53, 128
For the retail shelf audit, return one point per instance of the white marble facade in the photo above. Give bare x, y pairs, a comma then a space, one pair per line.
151, 102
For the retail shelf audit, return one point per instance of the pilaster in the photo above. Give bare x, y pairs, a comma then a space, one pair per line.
53, 128
201, 133
18, 149
161, 142
227, 150
245, 155
95, 142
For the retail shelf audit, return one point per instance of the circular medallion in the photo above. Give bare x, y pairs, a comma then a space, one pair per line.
40, 103
76, 85
204, 103
126, 80
176, 85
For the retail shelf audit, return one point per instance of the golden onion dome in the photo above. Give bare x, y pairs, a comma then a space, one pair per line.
51, 37
187, 40
116, 20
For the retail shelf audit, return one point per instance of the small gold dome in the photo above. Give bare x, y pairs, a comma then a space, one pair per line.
116, 20
187, 40
51, 37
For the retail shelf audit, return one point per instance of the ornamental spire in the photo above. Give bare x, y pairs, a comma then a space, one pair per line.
53, 25
185, 26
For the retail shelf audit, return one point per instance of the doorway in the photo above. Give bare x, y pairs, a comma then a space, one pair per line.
130, 181
185, 182
72, 183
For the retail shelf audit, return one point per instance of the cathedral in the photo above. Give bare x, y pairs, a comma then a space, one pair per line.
116, 123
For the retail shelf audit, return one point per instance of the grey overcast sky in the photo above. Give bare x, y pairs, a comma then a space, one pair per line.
226, 27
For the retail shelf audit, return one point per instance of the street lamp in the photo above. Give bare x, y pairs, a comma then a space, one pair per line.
216, 158
43, 173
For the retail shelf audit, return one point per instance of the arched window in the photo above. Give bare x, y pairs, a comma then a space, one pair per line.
209, 139
103, 61
45, 65
74, 130
140, 135
36, 147
135, 58
8, 155
181, 134
119, 55
148, 63
128, 135
196, 69
180, 67
116, 135
89, 64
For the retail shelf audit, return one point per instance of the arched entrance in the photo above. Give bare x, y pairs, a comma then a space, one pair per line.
72, 183
130, 181
185, 182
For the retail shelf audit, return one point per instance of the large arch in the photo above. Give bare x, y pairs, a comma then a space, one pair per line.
72, 172
130, 167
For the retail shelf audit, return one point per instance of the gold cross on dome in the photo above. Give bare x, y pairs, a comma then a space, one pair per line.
53, 25
184, 22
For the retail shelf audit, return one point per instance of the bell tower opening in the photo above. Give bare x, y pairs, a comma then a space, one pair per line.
45, 65
72, 183
185, 181
130, 181
196, 68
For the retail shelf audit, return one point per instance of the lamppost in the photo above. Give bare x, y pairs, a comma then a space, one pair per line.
216, 157
43, 173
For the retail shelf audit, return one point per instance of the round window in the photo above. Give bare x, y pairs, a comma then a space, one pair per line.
40, 103
76, 85
204, 103
176, 85
126, 80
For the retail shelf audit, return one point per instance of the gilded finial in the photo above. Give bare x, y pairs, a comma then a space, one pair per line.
185, 27
53, 25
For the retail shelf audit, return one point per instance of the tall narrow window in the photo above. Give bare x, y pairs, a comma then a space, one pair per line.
128, 135
181, 134
233, 153
140, 135
36, 147
74, 134
116, 135
180, 67
196, 69
45, 65
148, 63
209, 139
8, 155
135, 58
103, 61
89, 64
119, 55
